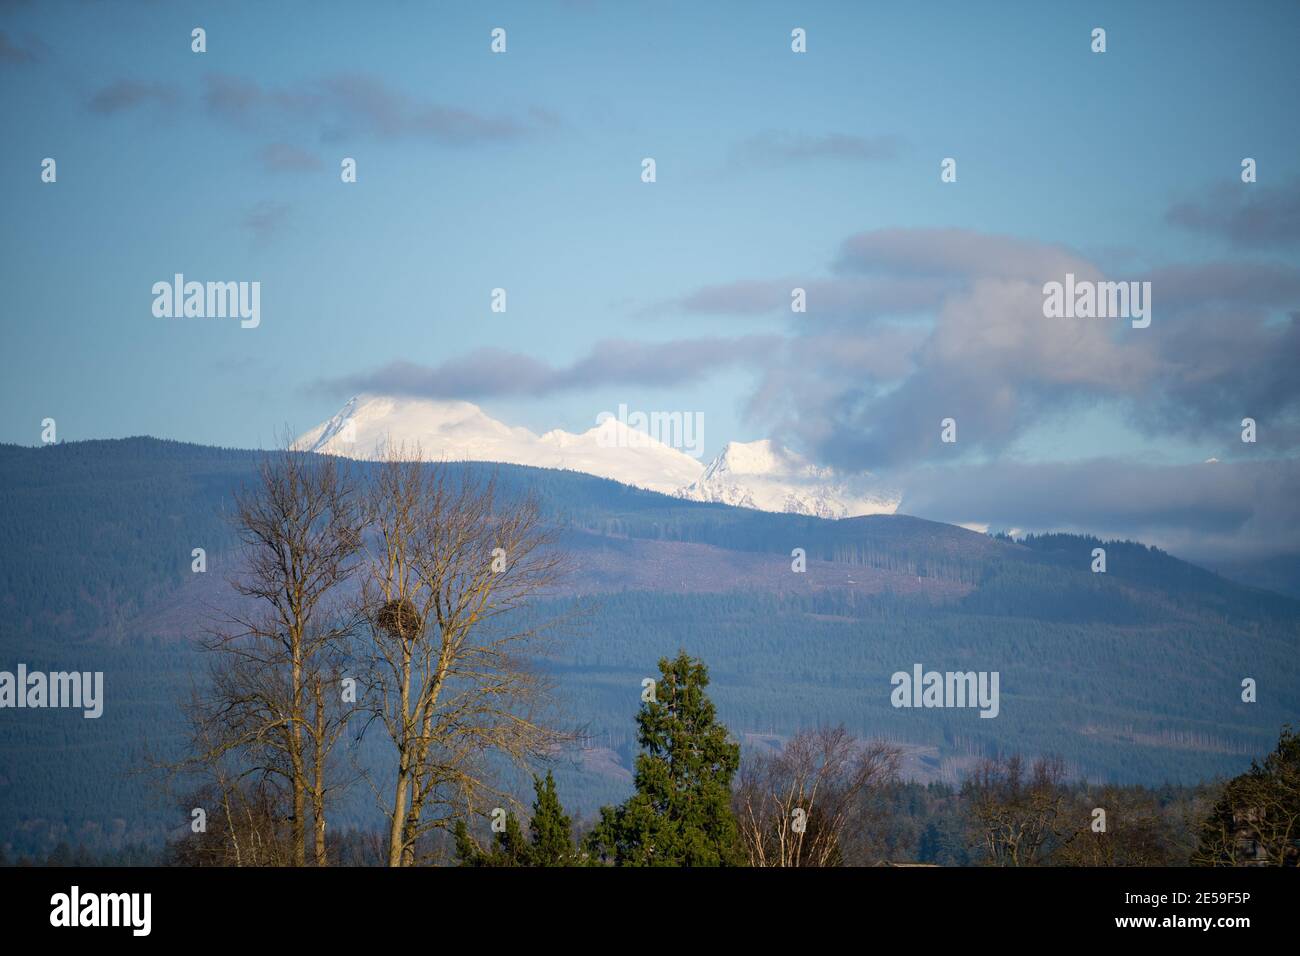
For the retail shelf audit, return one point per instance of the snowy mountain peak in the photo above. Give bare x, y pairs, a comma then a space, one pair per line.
758, 474
767, 477
460, 431
746, 458
367, 426
609, 433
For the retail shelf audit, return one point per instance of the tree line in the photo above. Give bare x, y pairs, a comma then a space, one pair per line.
828, 799
388, 605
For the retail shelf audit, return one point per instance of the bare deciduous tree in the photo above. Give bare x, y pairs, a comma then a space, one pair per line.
802, 805
244, 826
1016, 811
272, 713
448, 676
1137, 831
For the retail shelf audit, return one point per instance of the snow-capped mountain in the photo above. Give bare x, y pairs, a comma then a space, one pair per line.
767, 477
459, 431
757, 474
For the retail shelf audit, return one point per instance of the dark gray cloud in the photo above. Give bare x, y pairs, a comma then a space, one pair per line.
122, 95
963, 253
1221, 347
12, 51
986, 355
285, 158
1245, 214
1226, 283
1212, 512
345, 105
267, 219
238, 99
1219, 365
333, 108
494, 371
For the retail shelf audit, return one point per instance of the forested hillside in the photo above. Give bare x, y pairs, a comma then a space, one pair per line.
1133, 675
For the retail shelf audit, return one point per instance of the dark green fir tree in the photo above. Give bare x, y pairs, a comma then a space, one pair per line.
508, 848
681, 812
552, 837
551, 841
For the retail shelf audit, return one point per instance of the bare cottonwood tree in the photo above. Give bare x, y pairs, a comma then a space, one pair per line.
272, 712
449, 678
1016, 811
330, 715
802, 805
243, 826
1133, 830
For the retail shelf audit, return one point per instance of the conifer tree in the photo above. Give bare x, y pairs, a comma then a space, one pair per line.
1257, 818
509, 847
681, 812
552, 839
467, 851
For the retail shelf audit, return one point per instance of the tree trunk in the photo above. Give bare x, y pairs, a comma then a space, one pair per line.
299, 829
318, 778
397, 826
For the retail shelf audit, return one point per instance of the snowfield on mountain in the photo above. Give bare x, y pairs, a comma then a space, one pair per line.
759, 474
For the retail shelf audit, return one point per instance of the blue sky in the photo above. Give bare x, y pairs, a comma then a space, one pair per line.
522, 171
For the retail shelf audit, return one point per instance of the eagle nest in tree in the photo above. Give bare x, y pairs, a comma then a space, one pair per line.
399, 618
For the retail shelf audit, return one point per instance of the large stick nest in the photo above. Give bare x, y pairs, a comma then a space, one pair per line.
399, 618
